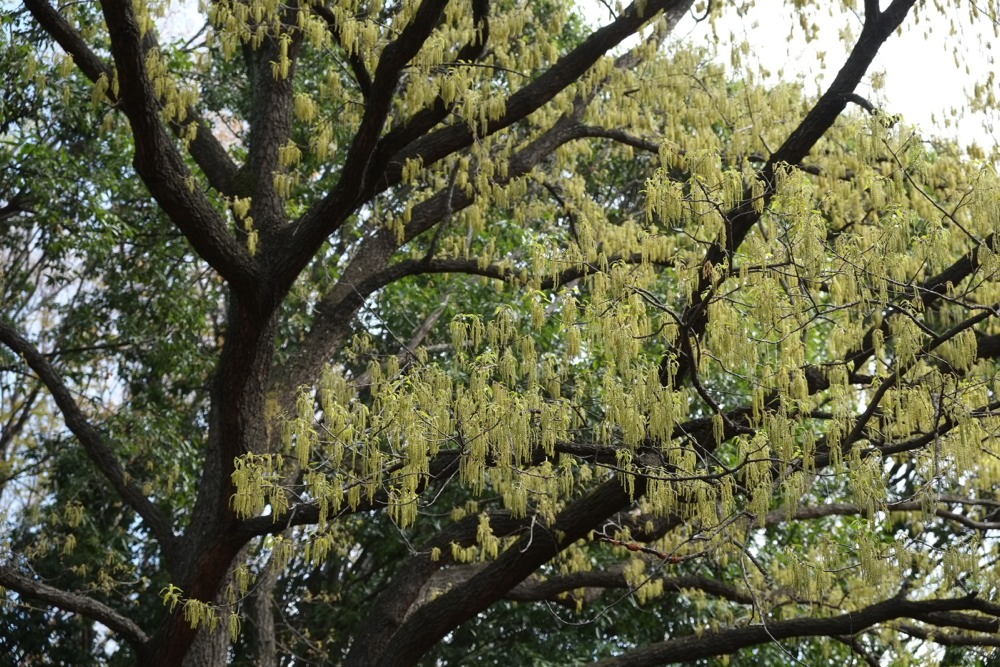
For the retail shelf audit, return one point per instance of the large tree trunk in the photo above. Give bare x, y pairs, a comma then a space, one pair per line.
210, 648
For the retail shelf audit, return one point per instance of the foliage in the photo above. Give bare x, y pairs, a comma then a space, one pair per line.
463, 332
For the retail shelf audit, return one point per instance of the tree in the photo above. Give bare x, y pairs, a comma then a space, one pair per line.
381, 332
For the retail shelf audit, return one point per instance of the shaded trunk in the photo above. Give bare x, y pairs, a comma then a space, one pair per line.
211, 543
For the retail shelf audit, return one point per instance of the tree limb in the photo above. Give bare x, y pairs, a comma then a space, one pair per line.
424, 627
848, 509
270, 124
568, 69
730, 640
947, 638
421, 122
206, 150
99, 451
74, 602
160, 164
416, 267
355, 185
400, 602
893, 379
622, 137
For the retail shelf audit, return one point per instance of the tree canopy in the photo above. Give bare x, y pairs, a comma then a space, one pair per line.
488, 332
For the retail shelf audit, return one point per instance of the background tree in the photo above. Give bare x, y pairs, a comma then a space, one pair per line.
373, 333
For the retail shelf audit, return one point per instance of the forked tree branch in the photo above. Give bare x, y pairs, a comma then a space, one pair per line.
859, 425
159, 162
930, 291
424, 120
437, 145
206, 150
324, 218
361, 278
401, 601
369, 172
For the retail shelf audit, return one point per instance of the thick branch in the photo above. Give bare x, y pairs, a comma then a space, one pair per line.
74, 602
93, 442
622, 137
270, 124
425, 119
206, 150
400, 601
728, 641
354, 182
159, 163
946, 638
566, 71
954, 619
427, 625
